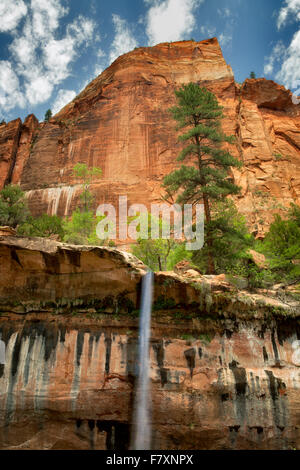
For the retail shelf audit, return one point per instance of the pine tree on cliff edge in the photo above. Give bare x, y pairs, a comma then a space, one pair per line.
48, 115
206, 180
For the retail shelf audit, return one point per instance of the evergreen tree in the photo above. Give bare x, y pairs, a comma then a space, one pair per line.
231, 239
13, 207
207, 178
252, 75
48, 115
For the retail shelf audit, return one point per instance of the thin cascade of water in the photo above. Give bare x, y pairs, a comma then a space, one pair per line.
142, 423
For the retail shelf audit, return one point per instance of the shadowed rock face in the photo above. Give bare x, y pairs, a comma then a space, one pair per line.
224, 373
40, 273
9, 141
120, 122
67, 387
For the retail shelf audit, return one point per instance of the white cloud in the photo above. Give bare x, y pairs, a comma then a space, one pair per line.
38, 90
57, 56
45, 16
124, 40
170, 20
41, 56
10, 94
100, 53
289, 74
101, 64
98, 69
11, 13
224, 12
81, 30
287, 57
225, 39
208, 31
277, 55
290, 9
63, 98
84, 84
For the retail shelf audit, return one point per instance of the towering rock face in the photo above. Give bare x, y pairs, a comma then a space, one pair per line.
121, 124
9, 142
269, 140
25, 145
71, 387
224, 364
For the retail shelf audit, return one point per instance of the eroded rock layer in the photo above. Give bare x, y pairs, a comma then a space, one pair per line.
67, 387
224, 363
120, 122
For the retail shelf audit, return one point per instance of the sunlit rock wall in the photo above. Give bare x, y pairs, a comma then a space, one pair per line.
66, 387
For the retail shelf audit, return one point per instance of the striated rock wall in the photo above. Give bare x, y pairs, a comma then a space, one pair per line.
42, 271
268, 130
224, 363
120, 122
71, 387
9, 142
25, 145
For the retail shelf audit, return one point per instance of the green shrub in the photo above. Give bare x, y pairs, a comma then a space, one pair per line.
231, 239
160, 254
13, 207
43, 226
282, 245
80, 229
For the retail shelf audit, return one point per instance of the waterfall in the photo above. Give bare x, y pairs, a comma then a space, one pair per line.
142, 426
53, 197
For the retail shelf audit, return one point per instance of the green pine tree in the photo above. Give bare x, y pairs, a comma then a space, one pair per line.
48, 115
252, 75
207, 178
231, 239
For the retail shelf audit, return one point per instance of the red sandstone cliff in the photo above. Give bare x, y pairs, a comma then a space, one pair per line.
224, 370
120, 122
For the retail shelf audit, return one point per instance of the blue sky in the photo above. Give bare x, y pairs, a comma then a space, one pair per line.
51, 49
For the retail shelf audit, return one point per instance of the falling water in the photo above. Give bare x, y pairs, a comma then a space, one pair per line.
142, 426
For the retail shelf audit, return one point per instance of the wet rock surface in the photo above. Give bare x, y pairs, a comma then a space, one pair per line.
224, 363
64, 387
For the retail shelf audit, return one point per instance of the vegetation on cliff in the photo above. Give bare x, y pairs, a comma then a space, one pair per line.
48, 115
161, 254
209, 180
282, 245
44, 226
206, 178
80, 228
13, 207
